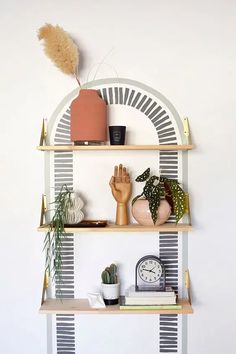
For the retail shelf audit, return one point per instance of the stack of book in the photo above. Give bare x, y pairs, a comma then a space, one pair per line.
149, 300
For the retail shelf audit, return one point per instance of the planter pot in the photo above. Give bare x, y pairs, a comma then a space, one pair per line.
88, 118
111, 293
142, 214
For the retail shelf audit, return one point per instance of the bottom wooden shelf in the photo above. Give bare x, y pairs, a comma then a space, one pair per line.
81, 306
167, 227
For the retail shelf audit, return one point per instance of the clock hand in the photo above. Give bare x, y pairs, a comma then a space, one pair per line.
149, 270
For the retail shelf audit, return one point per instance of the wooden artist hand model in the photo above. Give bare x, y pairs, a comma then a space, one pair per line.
121, 189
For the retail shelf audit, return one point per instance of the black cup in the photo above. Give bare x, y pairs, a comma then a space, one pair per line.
117, 134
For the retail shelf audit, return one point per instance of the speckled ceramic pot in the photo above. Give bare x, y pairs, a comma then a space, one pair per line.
142, 215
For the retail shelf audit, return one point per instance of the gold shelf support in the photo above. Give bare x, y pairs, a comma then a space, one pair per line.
42, 218
45, 286
43, 209
187, 285
43, 133
187, 131
187, 208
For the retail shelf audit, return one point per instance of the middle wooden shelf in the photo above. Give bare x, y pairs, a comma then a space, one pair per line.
167, 227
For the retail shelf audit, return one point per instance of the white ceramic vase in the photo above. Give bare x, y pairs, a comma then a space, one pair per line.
111, 293
142, 214
74, 212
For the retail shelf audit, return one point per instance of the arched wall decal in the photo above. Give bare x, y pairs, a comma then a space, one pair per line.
168, 127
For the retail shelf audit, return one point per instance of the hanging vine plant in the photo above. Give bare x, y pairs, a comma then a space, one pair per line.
158, 188
56, 233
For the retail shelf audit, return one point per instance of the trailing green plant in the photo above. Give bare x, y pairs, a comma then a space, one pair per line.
157, 188
109, 275
56, 233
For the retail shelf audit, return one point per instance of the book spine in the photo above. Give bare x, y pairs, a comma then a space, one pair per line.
149, 303
151, 294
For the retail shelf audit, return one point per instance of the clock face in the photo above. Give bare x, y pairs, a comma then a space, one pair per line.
150, 270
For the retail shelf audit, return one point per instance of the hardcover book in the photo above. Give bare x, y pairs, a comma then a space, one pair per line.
123, 306
158, 300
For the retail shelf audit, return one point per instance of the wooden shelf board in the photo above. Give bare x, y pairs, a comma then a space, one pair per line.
168, 227
81, 306
113, 147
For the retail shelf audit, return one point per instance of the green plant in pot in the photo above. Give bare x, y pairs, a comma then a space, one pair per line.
110, 285
160, 197
67, 210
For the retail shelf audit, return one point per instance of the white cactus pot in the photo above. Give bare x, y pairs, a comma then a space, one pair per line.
111, 293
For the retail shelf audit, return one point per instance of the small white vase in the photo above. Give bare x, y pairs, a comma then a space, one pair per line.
142, 214
74, 212
111, 293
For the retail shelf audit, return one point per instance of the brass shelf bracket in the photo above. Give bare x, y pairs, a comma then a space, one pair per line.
42, 219
45, 286
187, 208
43, 209
187, 132
187, 285
43, 133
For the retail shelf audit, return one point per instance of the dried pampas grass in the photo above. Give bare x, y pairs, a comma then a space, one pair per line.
60, 48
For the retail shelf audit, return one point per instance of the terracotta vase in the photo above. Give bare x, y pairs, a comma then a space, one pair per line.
142, 214
88, 118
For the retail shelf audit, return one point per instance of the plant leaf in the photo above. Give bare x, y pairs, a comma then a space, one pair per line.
168, 195
144, 176
150, 187
155, 201
55, 235
178, 198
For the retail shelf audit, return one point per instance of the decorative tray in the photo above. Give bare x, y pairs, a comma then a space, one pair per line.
89, 223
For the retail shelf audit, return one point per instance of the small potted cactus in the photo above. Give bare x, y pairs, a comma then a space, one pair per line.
110, 285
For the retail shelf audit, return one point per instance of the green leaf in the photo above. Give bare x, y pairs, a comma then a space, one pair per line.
154, 202
178, 198
145, 175
168, 195
150, 188
56, 233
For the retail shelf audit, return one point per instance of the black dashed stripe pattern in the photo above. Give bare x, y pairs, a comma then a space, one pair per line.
63, 174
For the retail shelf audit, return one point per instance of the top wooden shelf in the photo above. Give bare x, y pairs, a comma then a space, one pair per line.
113, 147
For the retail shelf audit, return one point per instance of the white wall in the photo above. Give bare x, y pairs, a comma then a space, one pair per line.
184, 49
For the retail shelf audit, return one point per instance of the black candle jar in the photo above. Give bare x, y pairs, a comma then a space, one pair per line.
117, 134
